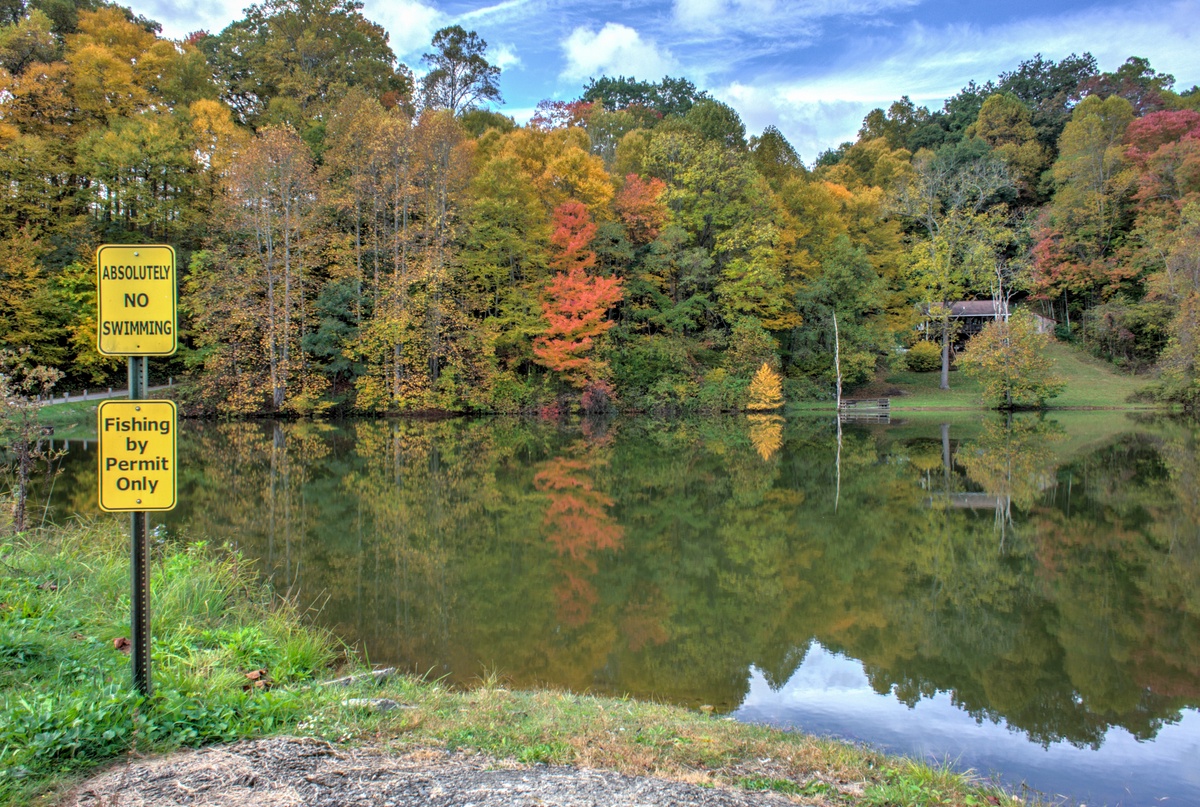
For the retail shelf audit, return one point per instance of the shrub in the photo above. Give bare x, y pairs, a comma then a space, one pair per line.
645, 360
720, 392
1009, 359
924, 357
597, 397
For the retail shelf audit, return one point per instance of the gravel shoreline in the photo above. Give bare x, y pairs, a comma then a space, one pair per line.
300, 772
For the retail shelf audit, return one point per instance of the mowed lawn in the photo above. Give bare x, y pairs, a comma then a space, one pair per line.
1090, 382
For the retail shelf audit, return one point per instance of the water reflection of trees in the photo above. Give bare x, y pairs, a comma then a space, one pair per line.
663, 560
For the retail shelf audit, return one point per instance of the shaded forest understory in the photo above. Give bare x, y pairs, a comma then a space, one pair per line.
354, 237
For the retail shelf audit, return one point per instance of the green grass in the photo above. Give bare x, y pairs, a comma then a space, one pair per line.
65, 697
66, 705
70, 419
920, 391
1090, 384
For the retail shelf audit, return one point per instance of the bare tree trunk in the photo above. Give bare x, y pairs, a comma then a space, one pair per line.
358, 261
945, 384
267, 248
285, 366
837, 365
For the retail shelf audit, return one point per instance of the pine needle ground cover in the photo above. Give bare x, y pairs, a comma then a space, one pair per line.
231, 660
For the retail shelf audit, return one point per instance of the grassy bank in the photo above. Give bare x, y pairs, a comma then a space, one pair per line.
65, 701
66, 707
1090, 384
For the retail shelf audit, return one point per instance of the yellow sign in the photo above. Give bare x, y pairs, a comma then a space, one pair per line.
136, 300
137, 455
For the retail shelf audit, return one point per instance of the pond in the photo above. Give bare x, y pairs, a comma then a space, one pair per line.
1020, 597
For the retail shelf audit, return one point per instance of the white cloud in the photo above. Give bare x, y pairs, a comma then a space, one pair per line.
182, 17
694, 14
505, 57
825, 107
410, 24
614, 49
521, 114
498, 13
773, 18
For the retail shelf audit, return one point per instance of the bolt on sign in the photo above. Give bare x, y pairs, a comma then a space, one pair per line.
137, 455
136, 300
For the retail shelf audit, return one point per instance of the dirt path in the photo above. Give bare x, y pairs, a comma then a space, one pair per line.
291, 772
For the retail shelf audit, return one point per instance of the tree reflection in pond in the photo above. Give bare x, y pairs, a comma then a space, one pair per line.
1047, 576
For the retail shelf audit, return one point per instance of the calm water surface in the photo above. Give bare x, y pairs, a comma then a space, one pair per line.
1019, 598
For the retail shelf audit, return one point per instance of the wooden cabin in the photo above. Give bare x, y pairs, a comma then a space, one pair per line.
968, 318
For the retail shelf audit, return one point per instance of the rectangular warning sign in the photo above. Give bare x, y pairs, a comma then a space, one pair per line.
137, 455
136, 300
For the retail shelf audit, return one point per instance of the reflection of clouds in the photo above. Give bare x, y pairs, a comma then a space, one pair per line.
830, 695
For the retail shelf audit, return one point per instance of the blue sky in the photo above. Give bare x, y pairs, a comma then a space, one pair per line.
813, 68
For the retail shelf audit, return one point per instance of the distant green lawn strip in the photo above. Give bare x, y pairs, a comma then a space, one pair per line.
1090, 383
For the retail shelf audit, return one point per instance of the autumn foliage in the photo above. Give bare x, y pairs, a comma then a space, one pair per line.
766, 390
640, 206
1009, 359
575, 304
361, 239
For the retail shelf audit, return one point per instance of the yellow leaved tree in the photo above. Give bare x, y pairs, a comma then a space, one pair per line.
766, 391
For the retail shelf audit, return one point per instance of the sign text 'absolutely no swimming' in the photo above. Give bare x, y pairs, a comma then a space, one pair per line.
136, 300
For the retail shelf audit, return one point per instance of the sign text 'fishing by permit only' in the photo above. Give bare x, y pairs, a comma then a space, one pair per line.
137, 455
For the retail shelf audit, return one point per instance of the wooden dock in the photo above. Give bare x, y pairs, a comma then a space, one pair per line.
865, 410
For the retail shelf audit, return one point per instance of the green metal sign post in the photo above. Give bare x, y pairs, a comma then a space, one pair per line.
137, 317
140, 556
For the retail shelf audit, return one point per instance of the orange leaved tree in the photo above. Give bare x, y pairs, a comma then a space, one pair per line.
575, 303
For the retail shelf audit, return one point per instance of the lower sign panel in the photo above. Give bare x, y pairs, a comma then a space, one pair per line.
137, 455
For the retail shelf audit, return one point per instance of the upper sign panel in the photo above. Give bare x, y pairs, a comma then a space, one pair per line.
136, 300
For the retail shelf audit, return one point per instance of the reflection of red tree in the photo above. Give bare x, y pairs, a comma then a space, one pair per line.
645, 622
575, 596
578, 525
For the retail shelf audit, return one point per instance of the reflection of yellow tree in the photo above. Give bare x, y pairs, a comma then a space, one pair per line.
766, 433
1012, 460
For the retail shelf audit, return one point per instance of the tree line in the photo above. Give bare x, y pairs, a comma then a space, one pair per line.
353, 237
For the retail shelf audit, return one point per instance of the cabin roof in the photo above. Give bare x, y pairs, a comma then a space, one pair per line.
976, 308
969, 308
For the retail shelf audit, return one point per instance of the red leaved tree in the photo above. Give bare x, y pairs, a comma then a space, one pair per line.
641, 208
575, 303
